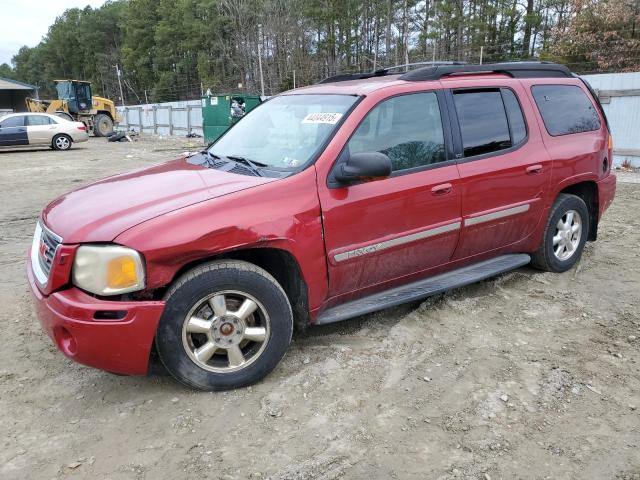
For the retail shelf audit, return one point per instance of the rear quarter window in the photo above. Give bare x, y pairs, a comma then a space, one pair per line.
565, 109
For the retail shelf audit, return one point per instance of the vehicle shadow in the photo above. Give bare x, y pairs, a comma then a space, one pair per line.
34, 149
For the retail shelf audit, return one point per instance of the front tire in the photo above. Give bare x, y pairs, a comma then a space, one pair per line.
61, 142
564, 236
226, 324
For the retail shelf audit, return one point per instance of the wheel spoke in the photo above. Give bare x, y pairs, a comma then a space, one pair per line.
219, 305
575, 228
255, 334
236, 357
559, 249
569, 246
246, 309
205, 352
560, 224
557, 239
198, 325
569, 221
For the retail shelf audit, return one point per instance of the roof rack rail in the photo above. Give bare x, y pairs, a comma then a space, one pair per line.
434, 63
513, 69
344, 77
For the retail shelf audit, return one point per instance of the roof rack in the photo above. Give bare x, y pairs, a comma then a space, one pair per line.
513, 69
344, 77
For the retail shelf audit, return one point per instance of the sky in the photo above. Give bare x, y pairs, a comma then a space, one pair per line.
25, 22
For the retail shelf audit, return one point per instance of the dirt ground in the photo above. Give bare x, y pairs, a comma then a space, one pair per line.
530, 375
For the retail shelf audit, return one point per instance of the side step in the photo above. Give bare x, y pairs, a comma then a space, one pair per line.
424, 288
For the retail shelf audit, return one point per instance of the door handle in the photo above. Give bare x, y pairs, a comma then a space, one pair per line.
534, 169
442, 189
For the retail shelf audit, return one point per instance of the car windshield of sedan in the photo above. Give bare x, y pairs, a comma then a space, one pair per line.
286, 131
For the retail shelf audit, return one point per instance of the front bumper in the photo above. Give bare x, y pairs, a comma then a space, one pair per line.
109, 335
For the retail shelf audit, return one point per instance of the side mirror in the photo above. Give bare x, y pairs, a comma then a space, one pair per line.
363, 166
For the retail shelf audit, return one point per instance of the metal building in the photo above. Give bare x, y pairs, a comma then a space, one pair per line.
12, 95
619, 94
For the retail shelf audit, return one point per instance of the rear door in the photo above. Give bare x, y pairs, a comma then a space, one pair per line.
383, 230
40, 129
13, 131
504, 167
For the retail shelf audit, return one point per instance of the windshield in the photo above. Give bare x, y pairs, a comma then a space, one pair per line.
286, 131
64, 90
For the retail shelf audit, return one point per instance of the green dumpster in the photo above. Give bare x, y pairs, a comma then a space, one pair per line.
219, 112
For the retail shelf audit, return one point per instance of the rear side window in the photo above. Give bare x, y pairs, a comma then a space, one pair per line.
406, 128
514, 114
13, 122
483, 121
565, 109
33, 120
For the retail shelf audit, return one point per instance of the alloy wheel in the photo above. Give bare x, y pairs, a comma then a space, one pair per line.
63, 143
567, 235
226, 332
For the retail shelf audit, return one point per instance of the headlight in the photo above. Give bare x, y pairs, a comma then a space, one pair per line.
108, 269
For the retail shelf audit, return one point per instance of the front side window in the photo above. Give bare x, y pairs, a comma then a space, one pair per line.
483, 121
285, 132
34, 120
565, 109
12, 122
406, 128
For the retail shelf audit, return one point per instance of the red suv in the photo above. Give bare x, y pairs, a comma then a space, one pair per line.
324, 203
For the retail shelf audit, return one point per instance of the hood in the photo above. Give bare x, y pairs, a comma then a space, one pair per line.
101, 211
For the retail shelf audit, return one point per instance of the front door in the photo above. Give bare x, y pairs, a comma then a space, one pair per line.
40, 129
382, 230
504, 168
13, 131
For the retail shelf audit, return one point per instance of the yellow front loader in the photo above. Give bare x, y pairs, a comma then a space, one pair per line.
75, 102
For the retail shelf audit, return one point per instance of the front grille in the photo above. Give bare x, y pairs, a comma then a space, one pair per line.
51, 243
45, 245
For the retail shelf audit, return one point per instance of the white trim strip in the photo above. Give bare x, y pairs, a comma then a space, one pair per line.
495, 215
376, 247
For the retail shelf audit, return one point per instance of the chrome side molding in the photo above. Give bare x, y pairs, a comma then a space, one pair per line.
507, 212
376, 247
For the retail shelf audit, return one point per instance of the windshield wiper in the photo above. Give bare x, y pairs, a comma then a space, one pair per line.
255, 166
210, 157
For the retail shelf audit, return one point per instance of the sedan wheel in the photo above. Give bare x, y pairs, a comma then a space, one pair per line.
61, 142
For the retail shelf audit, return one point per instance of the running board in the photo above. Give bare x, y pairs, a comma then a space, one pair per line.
424, 288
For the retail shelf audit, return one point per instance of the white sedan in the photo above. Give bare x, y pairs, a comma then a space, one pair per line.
40, 129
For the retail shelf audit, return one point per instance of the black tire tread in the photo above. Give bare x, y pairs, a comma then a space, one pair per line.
96, 121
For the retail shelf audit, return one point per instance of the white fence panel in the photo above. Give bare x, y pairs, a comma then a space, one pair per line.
620, 97
170, 118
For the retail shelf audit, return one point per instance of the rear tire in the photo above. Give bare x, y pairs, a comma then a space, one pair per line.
61, 142
564, 236
102, 125
226, 324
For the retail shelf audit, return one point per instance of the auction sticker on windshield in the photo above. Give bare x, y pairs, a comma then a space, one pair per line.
322, 117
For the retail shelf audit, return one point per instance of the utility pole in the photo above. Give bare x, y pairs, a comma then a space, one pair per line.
294, 79
146, 100
481, 52
119, 73
260, 67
